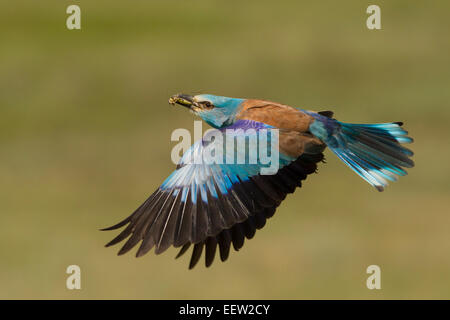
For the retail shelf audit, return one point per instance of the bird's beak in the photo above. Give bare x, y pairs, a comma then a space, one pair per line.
184, 100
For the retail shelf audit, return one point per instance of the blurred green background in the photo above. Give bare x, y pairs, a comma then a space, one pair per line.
85, 137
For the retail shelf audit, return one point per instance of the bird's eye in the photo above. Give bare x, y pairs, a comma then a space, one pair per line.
207, 104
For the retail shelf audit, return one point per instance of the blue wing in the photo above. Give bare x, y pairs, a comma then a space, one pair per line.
208, 203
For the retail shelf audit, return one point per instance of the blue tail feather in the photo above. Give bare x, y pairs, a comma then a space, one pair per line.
373, 151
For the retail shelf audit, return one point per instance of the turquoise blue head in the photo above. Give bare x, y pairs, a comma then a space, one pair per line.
217, 111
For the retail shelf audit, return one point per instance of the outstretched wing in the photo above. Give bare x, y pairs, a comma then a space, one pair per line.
214, 204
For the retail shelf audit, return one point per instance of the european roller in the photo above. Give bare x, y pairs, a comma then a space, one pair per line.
214, 205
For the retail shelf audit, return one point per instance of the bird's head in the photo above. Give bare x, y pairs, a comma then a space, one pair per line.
217, 111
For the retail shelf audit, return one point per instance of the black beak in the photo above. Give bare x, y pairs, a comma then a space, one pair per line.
184, 100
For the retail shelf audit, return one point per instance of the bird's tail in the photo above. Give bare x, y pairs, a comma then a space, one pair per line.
373, 151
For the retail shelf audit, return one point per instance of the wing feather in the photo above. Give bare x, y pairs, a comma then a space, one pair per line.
211, 205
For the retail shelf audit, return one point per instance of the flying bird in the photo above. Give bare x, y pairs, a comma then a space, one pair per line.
214, 205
